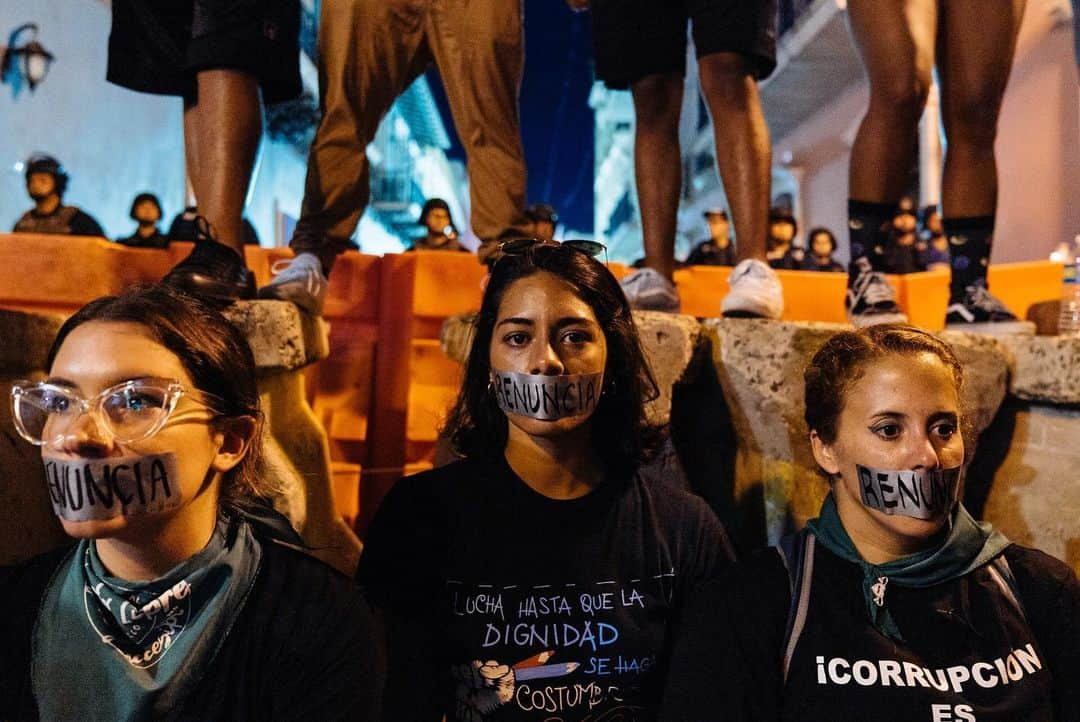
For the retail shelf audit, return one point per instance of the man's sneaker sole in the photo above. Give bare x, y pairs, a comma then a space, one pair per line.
866, 320
211, 288
655, 302
995, 328
300, 297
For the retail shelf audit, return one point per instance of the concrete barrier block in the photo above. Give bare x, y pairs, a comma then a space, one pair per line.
1044, 368
760, 367
673, 347
282, 338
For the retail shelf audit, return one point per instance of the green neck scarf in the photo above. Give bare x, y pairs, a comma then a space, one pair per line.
109, 649
968, 545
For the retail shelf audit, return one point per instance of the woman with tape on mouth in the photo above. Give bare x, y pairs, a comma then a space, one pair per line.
893, 605
541, 576
177, 600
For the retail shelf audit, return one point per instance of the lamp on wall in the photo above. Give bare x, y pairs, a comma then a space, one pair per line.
25, 60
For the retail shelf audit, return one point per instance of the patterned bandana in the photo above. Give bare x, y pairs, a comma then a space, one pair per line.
105, 648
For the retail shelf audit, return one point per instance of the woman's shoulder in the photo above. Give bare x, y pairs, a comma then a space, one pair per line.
295, 594
300, 574
443, 481
759, 576
1040, 576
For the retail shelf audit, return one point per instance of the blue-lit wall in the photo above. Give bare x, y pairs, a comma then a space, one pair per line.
114, 143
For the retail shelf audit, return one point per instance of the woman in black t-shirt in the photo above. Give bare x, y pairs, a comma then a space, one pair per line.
184, 596
893, 605
541, 576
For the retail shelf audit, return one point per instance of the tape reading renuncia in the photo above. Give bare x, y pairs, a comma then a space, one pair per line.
96, 489
917, 493
546, 398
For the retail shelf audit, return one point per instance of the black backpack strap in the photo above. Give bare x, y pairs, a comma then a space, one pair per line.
797, 553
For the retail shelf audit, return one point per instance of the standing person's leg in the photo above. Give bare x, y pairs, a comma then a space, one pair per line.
658, 165
736, 46
975, 53
216, 54
479, 48
641, 45
370, 51
743, 151
895, 39
222, 130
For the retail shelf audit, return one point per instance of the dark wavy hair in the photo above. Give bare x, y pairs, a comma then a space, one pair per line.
840, 362
622, 436
212, 350
814, 232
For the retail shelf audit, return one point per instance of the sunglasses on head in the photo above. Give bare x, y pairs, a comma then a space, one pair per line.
520, 246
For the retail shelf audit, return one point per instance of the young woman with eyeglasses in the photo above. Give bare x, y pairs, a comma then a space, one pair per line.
541, 576
179, 598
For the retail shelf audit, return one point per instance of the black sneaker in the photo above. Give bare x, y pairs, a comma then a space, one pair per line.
870, 300
980, 312
212, 271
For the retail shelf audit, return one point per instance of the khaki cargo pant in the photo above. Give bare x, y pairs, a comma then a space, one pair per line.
370, 51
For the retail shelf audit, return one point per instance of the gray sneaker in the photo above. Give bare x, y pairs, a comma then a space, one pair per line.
647, 290
870, 300
981, 312
754, 291
300, 280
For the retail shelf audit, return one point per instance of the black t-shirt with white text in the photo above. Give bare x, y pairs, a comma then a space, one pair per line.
504, 604
967, 654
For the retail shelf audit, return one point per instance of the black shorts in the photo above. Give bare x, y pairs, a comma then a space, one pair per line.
636, 38
157, 46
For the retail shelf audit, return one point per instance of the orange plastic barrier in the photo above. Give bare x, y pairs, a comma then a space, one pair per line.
808, 296
925, 296
813, 296
415, 381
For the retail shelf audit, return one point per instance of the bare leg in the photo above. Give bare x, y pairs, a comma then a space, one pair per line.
976, 48
191, 146
657, 165
222, 133
743, 153
895, 39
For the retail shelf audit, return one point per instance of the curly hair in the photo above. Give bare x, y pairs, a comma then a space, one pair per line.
840, 362
622, 436
211, 349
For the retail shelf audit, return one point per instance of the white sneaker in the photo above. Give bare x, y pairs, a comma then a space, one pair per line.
754, 291
300, 280
647, 290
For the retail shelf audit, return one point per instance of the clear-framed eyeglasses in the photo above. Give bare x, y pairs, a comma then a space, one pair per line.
46, 414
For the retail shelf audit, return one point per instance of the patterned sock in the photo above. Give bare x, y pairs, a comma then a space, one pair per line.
868, 231
969, 250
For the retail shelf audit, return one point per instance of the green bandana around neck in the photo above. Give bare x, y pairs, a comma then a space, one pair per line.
105, 648
967, 546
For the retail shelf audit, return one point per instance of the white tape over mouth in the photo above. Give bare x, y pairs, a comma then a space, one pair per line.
546, 398
97, 489
918, 493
